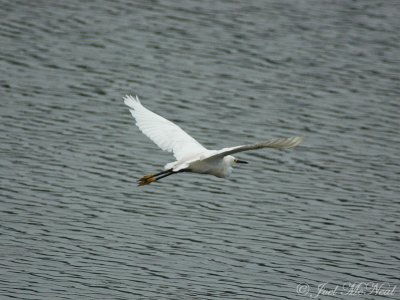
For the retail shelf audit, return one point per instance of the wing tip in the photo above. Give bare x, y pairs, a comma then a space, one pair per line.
284, 143
132, 102
295, 141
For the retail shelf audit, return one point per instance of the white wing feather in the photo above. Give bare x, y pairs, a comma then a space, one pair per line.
163, 133
278, 143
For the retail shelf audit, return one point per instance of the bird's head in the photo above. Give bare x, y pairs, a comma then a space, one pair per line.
239, 161
233, 160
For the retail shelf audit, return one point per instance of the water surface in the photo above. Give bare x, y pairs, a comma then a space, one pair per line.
73, 225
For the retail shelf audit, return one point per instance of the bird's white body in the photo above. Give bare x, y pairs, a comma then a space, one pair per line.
190, 155
219, 167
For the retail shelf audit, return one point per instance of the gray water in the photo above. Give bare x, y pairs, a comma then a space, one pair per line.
73, 224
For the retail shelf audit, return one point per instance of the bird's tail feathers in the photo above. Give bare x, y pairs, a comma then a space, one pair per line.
177, 166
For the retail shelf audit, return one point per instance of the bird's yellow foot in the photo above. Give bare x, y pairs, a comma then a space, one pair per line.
146, 180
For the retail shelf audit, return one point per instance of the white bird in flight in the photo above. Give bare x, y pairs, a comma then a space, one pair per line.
190, 155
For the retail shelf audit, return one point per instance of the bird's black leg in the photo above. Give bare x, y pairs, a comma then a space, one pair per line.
165, 175
163, 172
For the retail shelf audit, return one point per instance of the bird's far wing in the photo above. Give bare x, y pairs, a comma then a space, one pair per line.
165, 134
278, 143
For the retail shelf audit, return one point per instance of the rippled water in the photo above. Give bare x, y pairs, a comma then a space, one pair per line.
73, 225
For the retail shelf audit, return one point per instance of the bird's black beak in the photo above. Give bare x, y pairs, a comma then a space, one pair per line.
238, 161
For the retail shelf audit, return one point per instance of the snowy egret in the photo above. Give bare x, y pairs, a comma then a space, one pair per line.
190, 155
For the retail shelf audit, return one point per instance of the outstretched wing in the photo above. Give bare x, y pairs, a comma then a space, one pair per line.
165, 134
279, 143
